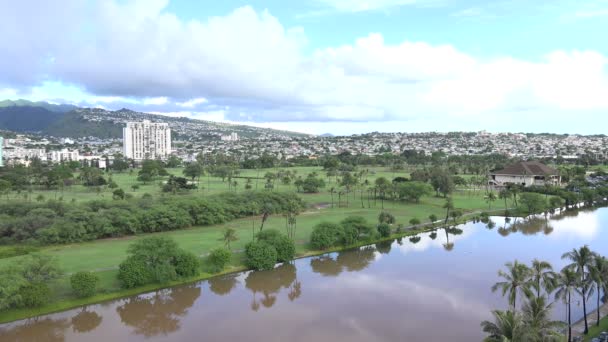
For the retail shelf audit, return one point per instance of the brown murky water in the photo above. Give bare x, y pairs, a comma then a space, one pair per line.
434, 289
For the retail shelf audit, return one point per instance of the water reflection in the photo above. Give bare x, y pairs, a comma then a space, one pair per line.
160, 313
531, 225
85, 321
384, 247
222, 285
269, 284
37, 330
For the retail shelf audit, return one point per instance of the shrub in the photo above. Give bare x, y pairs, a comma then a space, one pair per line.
385, 217
350, 235
187, 264
34, 295
360, 224
84, 284
218, 259
260, 255
414, 221
285, 247
384, 230
133, 272
326, 235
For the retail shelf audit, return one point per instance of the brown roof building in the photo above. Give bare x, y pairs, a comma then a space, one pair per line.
528, 173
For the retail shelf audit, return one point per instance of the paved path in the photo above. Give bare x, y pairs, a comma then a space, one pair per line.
579, 326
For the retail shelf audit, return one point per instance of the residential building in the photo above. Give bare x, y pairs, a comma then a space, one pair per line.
64, 155
231, 137
146, 140
528, 173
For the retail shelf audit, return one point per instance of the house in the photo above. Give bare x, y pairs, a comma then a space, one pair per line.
529, 173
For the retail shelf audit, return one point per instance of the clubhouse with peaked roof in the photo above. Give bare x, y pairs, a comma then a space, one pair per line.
528, 173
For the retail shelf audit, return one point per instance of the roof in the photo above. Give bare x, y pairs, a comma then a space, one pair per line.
532, 168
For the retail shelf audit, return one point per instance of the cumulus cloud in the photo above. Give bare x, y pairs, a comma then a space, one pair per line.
371, 5
251, 67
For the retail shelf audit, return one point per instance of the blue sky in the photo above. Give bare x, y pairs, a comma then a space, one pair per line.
338, 66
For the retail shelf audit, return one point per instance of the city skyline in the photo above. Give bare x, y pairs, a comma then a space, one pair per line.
323, 66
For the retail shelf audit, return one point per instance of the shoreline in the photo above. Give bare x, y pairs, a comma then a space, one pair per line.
14, 315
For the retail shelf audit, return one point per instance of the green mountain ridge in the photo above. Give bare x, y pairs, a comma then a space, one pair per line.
24, 116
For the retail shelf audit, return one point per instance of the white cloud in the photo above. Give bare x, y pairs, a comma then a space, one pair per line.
156, 101
372, 5
192, 102
257, 70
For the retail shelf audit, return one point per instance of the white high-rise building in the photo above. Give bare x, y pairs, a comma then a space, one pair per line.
146, 140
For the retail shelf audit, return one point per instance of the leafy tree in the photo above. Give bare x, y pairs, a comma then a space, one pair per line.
385, 217
532, 202
260, 255
284, 246
414, 221
187, 264
442, 182
326, 234
133, 272
360, 224
384, 230
118, 194
312, 184
218, 259
40, 269
175, 184
193, 170
413, 191
84, 284
34, 294
10, 283
433, 218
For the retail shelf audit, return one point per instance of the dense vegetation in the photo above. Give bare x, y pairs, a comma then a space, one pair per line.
53, 222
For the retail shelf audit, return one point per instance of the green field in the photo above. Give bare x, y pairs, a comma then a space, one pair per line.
103, 256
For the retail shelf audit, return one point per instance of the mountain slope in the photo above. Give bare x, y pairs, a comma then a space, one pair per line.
27, 119
59, 108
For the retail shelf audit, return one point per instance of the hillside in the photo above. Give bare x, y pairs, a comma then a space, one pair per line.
54, 120
27, 119
59, 108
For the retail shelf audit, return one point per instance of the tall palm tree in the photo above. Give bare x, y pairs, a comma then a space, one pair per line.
599, 276
581, 261
542, 276
505, 327
516, 280
536, 321
567, 281
448, 205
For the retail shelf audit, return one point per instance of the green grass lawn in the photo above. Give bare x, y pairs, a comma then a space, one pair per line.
103, 256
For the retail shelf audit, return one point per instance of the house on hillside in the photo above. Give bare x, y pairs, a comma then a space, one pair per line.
527, 173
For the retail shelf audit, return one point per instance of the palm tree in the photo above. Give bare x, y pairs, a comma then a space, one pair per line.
516, 280
566, 283
490, 199
542, 276
505, 327
504, 194
448, 205
536, 321
581, 262
599, 276
229, 236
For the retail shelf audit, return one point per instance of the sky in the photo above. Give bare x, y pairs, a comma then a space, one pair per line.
319, 66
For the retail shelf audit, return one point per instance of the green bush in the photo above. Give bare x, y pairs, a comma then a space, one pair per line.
34, 295
360, 224
133, 272
260, 255
218, 259
285, 247
84, 284
384, 230
414, 221
350, 235
187, 264
326, 235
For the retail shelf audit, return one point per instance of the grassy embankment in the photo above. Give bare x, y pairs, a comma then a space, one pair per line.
103, 256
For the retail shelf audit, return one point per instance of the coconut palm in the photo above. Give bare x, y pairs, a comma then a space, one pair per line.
582, 260
599, 276
542, 276
229, 236
566, 284
505, 327
516, 280
536, 321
